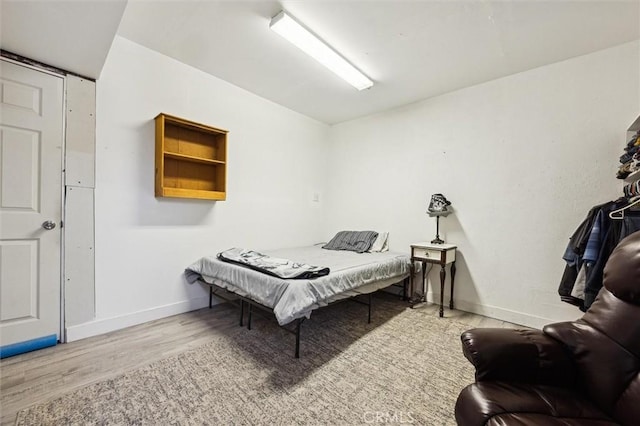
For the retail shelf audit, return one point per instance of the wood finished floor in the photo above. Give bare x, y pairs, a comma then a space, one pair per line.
41, 375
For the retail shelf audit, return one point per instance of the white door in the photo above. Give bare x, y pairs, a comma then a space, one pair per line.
31, 154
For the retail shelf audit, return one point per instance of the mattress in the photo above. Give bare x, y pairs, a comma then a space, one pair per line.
351, 273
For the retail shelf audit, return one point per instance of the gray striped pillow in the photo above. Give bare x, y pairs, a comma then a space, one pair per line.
358, 241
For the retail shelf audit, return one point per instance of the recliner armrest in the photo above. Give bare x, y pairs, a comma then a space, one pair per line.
528, 356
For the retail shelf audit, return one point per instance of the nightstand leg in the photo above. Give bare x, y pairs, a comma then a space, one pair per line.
443, 275
412, 271
405, 283
423, 298
453, 278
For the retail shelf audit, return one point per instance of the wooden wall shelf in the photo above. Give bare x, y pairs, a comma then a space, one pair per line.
191, 159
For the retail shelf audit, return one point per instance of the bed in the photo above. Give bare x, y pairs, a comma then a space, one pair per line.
293, 300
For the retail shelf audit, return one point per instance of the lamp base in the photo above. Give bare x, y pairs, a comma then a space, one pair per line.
437, 240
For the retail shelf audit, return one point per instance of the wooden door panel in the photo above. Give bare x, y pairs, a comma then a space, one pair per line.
19, 275
21, 95
19, 158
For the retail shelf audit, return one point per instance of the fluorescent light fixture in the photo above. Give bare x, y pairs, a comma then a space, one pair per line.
288, 28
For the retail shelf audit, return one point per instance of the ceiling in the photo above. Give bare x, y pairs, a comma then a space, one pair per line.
412, 50
71, 35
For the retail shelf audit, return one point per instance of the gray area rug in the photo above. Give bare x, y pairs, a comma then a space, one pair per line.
405, 367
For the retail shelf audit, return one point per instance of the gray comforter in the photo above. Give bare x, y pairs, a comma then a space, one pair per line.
292, 299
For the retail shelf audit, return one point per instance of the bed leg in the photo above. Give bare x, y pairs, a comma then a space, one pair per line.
249, 319
369, 318
241, 312
298, 324
210, 296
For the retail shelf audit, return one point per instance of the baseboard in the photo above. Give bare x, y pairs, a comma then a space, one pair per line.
106, 325
515, 317
101, 326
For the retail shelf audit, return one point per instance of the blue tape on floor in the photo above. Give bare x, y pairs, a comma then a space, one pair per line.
28, 346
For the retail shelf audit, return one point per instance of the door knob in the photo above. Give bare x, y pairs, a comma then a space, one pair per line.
48, 225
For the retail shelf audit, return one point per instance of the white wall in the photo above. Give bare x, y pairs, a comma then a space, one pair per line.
521, 158
277, 159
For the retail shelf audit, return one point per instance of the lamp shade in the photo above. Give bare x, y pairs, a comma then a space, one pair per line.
439, 206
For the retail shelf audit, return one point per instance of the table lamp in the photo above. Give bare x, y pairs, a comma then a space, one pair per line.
438, 206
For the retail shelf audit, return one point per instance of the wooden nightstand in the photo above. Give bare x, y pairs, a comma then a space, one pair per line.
439, 254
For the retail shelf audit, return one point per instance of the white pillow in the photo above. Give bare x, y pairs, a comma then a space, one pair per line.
381, 243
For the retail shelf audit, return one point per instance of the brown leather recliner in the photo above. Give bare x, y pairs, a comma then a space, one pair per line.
585, 372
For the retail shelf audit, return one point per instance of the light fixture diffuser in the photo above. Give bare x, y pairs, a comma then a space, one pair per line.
295, 33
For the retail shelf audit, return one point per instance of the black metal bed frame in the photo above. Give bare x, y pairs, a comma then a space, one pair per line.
214, 290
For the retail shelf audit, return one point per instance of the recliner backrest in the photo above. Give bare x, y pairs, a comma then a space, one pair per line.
605, 342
